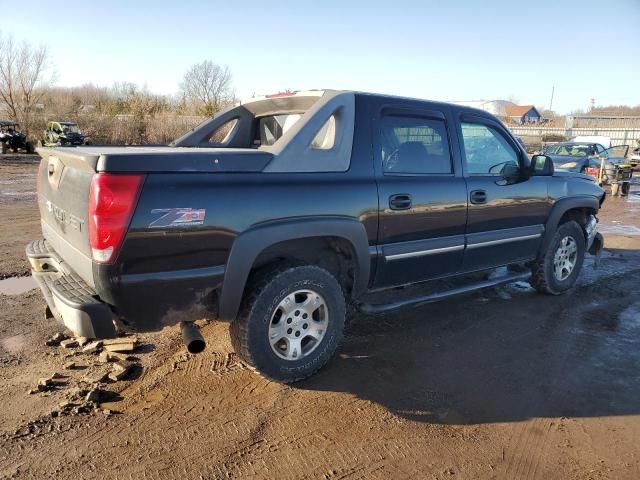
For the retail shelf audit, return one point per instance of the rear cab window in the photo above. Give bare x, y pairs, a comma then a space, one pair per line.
273, 127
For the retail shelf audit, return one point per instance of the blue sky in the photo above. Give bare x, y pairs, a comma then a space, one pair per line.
444, 50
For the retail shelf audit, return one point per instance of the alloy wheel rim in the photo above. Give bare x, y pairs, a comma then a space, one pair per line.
565, 258
298, 324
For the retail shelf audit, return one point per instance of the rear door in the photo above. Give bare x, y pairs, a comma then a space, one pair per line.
507, 209
422, 194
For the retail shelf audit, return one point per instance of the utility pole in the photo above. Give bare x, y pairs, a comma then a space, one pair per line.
593, 104
551, 101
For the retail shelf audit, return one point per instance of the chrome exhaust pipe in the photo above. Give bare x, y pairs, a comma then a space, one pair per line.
192, 338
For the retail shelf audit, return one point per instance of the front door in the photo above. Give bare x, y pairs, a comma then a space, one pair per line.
422, 195
617, 154
507, 210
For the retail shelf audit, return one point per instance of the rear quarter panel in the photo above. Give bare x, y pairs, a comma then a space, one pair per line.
169, 273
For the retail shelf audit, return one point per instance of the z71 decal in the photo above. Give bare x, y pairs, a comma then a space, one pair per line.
178, 217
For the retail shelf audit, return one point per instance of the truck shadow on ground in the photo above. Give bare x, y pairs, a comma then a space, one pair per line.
490, 358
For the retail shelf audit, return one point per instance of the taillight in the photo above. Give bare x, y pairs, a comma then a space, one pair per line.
112, 199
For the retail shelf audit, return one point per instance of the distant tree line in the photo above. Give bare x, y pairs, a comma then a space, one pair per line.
123, 113
621, 110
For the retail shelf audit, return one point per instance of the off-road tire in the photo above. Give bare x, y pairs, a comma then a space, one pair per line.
5, 148
249, 331
542, 275
29, 147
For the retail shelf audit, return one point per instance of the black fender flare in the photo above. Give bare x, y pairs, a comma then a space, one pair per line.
249, 244
561, 207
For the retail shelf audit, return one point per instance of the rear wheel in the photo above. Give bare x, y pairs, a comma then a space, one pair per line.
558, 269
290, 323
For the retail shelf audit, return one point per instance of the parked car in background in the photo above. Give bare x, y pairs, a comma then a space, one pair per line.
583, 157
62, 134
12, 138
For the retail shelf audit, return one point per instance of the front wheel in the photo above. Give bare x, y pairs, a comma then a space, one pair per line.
558, 268
290, 323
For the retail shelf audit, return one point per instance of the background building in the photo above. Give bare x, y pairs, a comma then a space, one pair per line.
523, 114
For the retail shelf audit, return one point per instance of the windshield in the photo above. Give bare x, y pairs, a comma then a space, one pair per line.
568, 150
275, 126
70, 129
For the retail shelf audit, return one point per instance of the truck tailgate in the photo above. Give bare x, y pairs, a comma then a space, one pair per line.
64, 179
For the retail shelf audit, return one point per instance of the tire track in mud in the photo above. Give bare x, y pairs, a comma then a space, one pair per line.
256, 429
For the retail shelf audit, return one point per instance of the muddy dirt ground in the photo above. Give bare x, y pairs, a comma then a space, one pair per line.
503, 384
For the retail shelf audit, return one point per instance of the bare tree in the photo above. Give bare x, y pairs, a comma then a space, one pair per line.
24, 79
208, 86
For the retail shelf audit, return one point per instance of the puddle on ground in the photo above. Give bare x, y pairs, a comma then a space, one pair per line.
634, 197
629, 230
17, 285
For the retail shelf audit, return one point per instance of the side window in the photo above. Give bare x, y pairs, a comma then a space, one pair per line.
414, 145
487, 152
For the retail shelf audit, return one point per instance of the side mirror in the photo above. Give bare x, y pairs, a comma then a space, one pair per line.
541, 166
511, 170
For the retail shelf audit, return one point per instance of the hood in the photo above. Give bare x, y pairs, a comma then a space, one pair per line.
568, 162
568, 173
566, 158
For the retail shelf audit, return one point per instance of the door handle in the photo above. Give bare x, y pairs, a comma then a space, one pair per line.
400, 201
478, 197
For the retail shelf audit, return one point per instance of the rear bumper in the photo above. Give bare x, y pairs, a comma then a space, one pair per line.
71, 301
139, 302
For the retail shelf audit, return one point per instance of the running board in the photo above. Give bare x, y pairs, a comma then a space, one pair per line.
434, 297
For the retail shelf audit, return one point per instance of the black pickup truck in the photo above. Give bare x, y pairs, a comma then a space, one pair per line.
287, 213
